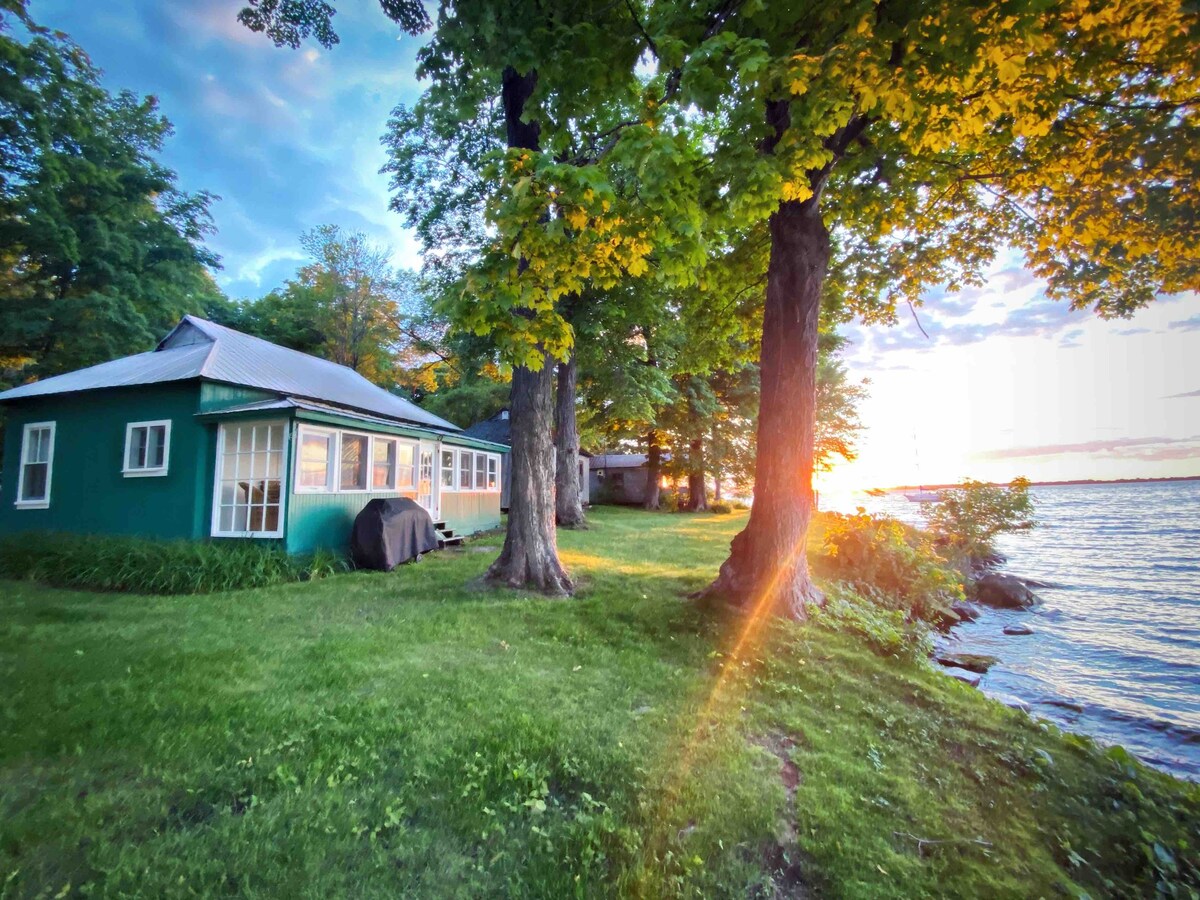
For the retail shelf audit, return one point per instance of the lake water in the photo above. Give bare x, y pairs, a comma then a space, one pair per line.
1115, 652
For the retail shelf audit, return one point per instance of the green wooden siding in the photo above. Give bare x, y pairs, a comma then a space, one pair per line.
473, 511
88, 492
215, 397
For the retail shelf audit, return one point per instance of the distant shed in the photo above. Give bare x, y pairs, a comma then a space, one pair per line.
620, 477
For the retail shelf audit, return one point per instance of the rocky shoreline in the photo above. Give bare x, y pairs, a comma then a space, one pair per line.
997, 590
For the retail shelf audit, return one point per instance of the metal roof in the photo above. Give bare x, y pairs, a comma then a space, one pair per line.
622, 460
497, 429
197, 348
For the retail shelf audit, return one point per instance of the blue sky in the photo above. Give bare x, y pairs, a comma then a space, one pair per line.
1006, 382
289, 139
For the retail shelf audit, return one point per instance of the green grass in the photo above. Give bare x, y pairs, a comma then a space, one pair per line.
413, 735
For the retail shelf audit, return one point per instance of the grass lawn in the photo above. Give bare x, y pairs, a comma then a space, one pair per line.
414, 735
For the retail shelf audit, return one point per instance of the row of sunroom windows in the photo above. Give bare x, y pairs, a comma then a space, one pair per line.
249, 497
332, 460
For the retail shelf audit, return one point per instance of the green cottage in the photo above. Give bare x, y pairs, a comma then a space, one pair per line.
217, 434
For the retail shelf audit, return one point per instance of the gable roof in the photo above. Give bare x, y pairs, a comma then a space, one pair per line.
497, 429
197, 348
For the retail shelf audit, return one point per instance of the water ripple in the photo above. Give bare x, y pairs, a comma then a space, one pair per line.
1116, 646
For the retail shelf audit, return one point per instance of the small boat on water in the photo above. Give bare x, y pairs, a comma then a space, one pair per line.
923, 496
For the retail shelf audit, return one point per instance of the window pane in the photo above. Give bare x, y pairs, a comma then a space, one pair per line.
314, 460
226, 523
256, 518
464, 470
354, 462
39, 446
480, 471
271, 520
33, 486
241, 515
384, 472
447, 475
137, 448
157, 451
493, 464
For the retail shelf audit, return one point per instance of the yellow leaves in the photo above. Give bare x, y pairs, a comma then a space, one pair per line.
577, 218
795, 190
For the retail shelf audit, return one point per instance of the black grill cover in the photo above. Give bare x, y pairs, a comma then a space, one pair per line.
389, 532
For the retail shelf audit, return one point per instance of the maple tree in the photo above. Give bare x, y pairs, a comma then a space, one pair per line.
900, 146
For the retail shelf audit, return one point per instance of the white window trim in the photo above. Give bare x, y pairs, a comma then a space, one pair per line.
43, 503
332, 467
148, 471
416, 464
452, 487
219, 465
333, 475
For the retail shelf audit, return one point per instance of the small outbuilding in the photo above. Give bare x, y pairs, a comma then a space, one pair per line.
620, 477
218, 434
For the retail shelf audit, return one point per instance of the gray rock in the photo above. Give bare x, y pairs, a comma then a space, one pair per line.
1017, 629
974, 662
964, 610
966, 676
1003, 592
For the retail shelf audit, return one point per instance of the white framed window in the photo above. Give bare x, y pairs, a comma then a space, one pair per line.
406, 469
248, 494
480, 471
466, 470
446, 475
314, 464
147, 448
37, 465
383, 464
353, 456
493, 470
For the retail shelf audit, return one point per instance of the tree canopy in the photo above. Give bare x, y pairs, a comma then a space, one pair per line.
100, 251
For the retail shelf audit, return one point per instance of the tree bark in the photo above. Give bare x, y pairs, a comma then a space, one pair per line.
712, 444
697, 486
568, 497
530, 555
653, 471
767, 568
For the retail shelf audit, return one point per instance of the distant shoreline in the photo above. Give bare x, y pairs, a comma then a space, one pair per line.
943, 487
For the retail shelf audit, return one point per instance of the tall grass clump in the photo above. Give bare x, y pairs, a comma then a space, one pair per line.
148, 566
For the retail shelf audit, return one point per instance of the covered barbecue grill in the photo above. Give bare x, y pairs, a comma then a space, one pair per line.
389, 532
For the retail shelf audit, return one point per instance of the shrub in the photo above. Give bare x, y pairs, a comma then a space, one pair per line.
970, 516
886, 631
891, 565
668, 501
142, 565
720, 508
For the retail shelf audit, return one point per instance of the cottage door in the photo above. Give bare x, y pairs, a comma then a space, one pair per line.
425, 483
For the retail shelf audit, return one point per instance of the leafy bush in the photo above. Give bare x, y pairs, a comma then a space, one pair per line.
970, 516
886, 631
668, 501
891, 565
141, 565
720, 508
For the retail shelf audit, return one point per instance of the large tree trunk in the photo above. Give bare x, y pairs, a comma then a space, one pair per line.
767, 569
697, 486
530, 554
568, 498
653, 471
712, 446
